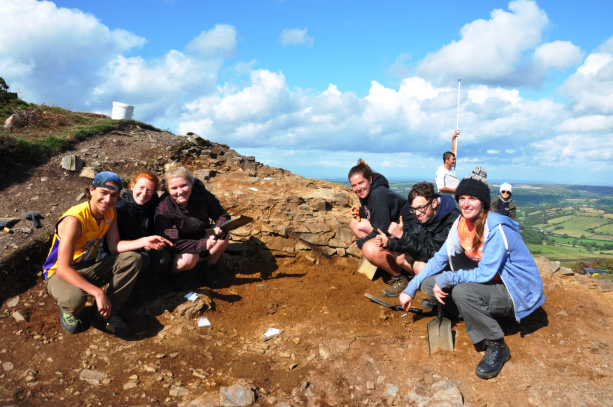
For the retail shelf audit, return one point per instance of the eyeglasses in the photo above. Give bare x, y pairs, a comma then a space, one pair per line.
421, 209
505, 192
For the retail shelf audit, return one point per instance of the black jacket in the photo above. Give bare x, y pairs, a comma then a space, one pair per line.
382, 207
422, 241
133, 220
189, 223
507, 208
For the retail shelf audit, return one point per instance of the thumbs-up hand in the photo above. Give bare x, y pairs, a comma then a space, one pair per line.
396, 229
382, 239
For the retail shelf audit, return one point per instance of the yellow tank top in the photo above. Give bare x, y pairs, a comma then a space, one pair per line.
87, 245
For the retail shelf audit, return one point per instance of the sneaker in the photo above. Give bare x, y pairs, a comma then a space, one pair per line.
496, 355
397, 285
117, 327
70, 323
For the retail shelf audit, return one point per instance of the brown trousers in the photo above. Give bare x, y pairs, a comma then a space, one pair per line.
118, 271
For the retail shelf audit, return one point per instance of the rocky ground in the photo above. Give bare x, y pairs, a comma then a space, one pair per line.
291, 270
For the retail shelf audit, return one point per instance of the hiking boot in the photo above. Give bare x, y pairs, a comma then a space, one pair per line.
70, 323
496, 355
117, 327
397, 285
429, 303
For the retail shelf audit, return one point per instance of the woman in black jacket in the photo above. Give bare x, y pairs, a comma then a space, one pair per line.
135, 219
380, 207
183, 216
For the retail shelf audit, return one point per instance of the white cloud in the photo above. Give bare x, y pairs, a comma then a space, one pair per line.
54, 54
219, 41
591, 87
403, 129
489, 51
295, 36
558, 54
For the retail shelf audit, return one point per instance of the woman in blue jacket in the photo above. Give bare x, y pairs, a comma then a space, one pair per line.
483, 271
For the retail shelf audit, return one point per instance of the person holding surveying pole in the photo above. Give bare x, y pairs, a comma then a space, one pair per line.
446, 182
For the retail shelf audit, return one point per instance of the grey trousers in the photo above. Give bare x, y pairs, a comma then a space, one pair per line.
480, 304
118, 271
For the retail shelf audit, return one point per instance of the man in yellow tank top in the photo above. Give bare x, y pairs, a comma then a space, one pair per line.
72, 270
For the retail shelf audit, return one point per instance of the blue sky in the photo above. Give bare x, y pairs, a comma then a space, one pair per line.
311, 86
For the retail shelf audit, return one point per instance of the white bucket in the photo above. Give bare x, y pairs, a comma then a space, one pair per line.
122, 111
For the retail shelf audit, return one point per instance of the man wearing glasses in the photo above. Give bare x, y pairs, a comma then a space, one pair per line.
435, 213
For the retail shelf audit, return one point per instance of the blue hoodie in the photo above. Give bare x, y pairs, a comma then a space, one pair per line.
504, 252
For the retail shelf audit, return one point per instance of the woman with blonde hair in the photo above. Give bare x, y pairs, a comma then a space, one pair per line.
183, 216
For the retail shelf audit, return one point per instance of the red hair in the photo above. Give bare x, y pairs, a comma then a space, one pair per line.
147, 175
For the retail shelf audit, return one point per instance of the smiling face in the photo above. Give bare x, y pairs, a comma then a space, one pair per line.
471, 207
423, 209
360, 185
180, 190
142, 191
102, 199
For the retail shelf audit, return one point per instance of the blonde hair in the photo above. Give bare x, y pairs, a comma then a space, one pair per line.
178, 172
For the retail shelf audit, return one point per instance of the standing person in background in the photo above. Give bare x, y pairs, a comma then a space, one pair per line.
183, 216
446, 169
503, 203
135, 219
380, 207
483, 271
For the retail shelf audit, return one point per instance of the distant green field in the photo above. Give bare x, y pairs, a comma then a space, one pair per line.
583, 223
567, 255
561, 219
605, 230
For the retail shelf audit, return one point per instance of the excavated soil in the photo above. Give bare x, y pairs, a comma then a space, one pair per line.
336, 348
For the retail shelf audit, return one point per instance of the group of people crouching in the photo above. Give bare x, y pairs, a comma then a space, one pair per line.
473, 261
126, 241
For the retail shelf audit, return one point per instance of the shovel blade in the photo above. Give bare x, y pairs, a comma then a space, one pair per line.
439, 335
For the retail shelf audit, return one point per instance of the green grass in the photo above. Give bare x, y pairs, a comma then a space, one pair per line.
567, 255
561, 219
605, 229
52, 131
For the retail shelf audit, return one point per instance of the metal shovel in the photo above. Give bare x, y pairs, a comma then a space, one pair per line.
439, 332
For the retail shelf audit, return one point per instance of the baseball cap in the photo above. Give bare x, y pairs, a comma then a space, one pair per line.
101, 179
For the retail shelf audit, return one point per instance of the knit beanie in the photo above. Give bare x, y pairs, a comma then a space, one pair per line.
475, 184
506, 187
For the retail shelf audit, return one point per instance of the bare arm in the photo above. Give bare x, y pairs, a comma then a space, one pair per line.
454, 141
69, 230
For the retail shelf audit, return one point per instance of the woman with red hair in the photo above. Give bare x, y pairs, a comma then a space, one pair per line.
135, 217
